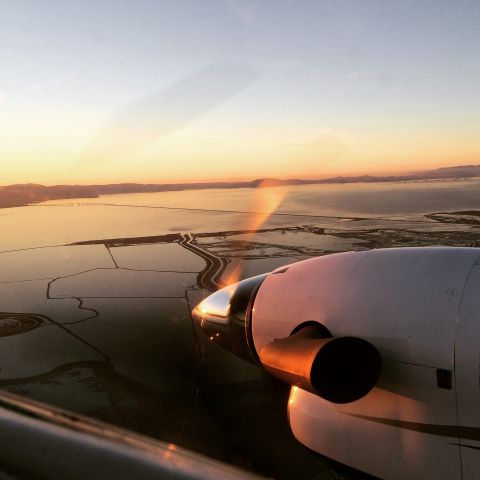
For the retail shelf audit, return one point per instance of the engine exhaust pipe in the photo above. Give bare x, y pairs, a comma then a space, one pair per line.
340, 370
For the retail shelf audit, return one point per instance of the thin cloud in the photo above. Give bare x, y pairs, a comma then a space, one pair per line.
241, 10
356, 75
285, 64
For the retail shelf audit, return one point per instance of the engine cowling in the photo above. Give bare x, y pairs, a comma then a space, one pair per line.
339, 370
419, 308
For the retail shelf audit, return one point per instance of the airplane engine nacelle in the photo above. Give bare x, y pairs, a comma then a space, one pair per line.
322, 326
340, 370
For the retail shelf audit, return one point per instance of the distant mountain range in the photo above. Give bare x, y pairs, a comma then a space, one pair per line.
24, 194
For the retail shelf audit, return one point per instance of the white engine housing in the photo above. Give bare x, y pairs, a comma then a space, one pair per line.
420, 308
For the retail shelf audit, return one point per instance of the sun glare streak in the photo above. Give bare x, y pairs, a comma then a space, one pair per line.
147, 119
266, 198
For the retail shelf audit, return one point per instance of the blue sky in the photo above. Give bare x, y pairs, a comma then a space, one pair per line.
334, 87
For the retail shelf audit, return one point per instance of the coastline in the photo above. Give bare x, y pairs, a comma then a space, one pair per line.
29, 194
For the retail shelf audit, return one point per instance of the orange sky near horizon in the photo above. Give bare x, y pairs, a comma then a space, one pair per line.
211, 149
191, 155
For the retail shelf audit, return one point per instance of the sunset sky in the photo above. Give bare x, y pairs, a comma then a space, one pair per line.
158, 91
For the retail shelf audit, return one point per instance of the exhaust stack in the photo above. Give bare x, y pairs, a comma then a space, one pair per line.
340, 370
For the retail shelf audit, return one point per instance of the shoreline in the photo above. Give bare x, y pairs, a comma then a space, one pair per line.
33, 194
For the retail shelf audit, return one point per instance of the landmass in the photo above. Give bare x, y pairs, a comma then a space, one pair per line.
25, 194
113, 313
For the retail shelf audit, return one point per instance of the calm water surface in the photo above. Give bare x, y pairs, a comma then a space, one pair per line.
131, 215
95, 300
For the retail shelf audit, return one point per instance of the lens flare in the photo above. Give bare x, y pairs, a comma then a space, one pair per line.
266, 198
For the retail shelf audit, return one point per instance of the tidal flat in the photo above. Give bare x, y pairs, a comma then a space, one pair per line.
95, 301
